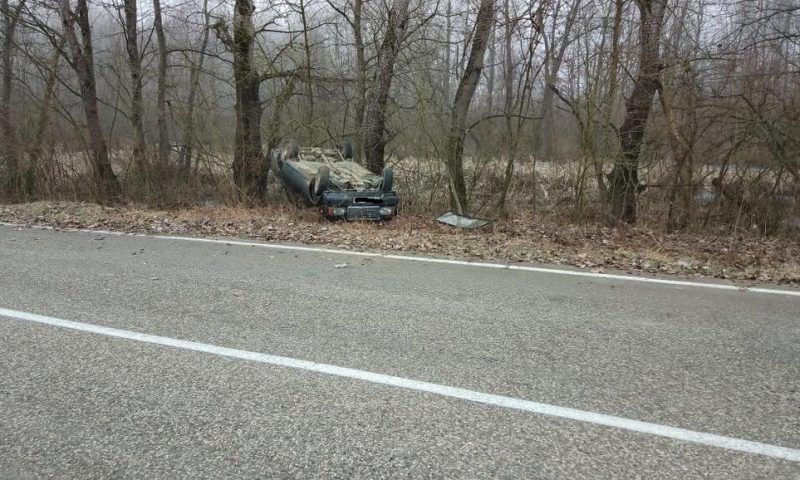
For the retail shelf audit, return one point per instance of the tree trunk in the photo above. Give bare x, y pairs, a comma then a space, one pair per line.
448, 38
12, 184
249, 172
161, 96
309, 117
509, 139
461, 103
624, 178
611, 98
375, 120
135, 69
361, 79
185, 155
82, 62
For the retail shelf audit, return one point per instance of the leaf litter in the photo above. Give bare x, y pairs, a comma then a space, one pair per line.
638, 249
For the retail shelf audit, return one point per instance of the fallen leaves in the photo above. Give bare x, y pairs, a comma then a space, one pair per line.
527, 240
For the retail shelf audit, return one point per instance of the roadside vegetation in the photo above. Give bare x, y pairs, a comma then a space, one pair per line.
525, 238
647, 135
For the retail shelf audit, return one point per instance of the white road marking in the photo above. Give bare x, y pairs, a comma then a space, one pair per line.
675, 433
466, 263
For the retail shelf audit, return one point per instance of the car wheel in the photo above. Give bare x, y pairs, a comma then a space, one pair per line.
276, 163
321, 180
319, 185
388, 180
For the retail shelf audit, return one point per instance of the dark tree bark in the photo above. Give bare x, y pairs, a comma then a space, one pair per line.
509, 140
161, 96
12, 184
309, 83
131, 32
448, 40
375, 119
82, 62
624, 178
361, 78
461, 103
610, 101
249, 168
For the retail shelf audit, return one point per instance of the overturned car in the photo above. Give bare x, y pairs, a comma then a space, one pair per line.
331, 180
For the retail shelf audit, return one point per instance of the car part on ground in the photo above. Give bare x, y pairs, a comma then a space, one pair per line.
331, 180
462, 221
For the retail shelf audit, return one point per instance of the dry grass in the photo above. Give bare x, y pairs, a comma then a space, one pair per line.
758, 200
762, 203
547, 218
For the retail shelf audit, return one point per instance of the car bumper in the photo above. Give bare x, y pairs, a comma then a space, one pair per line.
353, 205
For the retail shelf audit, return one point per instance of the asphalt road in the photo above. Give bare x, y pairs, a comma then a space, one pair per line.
75, 404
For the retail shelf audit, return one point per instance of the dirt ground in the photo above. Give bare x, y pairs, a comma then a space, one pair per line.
744, 257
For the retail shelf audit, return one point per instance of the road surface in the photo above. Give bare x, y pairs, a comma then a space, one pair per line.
133, 357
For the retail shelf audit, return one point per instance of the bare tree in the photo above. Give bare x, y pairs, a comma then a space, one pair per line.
185, 154
249, 169
309, 69
130, 22
375, 118
725, 74
356, 23
81, 60
361, 77
624, 178
461, 103
161, 96
517, 88
12, 183
554, 57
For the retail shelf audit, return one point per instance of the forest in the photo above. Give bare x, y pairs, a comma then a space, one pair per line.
680, 114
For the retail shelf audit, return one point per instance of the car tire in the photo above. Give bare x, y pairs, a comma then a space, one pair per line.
321, 180
318, 186
388, 180
276, 162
